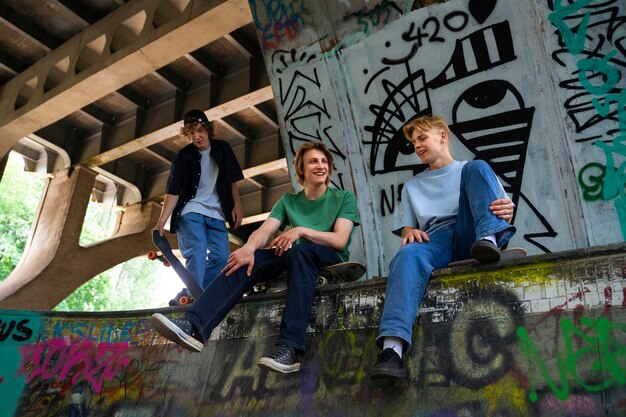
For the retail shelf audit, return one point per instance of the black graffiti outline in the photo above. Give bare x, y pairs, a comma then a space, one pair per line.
293, 98
17, 330
384, 132
604, 15
500, 344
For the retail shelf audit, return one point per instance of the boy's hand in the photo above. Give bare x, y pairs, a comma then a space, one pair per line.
237, 215
410, 235
283, 243
160, 227
503, 209
241, 257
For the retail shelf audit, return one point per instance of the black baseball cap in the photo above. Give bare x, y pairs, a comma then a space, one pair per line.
194, 116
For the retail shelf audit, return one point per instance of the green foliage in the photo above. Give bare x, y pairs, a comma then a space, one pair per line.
124, 287
17, 209
98, 224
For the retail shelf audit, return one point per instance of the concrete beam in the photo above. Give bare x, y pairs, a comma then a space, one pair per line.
115, 51
28, 28
265, 168
172, 130
255, 219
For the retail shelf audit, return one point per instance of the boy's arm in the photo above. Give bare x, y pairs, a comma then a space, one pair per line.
166, 211
245, 255
337, 239
237, 213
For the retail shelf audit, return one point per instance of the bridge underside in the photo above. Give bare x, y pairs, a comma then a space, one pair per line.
93, 96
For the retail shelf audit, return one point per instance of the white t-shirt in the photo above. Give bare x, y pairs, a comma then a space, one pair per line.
206, 201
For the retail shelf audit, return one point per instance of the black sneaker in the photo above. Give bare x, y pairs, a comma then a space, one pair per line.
485, 251
182, 298
390, 365
283, 359
180, 331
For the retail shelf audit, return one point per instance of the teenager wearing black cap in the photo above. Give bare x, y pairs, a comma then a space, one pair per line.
202, 195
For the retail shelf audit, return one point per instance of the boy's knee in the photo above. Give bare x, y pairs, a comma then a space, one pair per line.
298, 253
404, 252
475, 166
415, 253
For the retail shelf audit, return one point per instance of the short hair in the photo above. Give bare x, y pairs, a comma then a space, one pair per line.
298, 162
424, 123
188, 129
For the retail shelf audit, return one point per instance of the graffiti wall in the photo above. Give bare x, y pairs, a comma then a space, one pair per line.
535, 88
542, 338
586, 45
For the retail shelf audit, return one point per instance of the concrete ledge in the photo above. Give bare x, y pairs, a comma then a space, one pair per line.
542, 337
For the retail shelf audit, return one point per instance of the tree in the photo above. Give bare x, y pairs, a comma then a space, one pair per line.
17, 209
123, 287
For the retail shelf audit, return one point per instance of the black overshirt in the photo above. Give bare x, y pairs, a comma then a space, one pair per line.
185, 177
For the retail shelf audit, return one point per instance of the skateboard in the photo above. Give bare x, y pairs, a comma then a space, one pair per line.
331, 274
154, 255
505, 255
182, 298
169, 259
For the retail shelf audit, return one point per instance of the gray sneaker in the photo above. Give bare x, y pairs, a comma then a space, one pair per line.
283, 359
180, 331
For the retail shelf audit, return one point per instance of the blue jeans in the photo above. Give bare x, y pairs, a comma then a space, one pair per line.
412, 265
203, 242
301, 263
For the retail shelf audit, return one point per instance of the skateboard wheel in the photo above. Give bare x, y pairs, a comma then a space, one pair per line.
152, 255
321, 281
259, 288
183, 300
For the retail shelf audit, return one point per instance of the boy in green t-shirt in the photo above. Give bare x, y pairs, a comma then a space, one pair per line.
321, 221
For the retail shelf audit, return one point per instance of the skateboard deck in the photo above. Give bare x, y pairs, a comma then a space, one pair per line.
505, 255
331, 274
152, 255
163, 245
343, 272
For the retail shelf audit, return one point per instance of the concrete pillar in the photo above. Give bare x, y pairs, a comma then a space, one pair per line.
353, 73
54, 264
3, 164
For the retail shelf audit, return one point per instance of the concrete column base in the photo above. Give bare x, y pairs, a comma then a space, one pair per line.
54, 264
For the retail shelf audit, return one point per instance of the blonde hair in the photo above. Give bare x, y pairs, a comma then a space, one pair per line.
424, 123
186, 131
298, 162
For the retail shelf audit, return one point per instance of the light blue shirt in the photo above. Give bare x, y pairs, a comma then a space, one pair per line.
430, 199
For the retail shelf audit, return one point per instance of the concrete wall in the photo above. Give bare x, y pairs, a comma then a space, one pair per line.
544, 337
533, 87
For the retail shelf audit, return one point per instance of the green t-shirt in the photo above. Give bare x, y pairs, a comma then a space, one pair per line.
297, 210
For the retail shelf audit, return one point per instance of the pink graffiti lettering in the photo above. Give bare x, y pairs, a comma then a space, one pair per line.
56, 359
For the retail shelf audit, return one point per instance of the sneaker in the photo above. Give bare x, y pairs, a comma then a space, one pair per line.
182, 298
389, 365
485, 251
180, 331
283, 359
